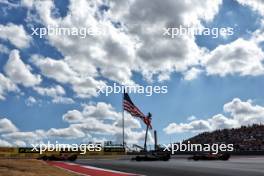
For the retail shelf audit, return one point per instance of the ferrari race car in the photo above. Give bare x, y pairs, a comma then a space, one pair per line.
210, 156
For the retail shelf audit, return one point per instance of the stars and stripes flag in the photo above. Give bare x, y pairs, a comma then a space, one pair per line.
129, 106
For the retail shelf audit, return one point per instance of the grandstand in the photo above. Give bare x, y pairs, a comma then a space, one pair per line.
245, 138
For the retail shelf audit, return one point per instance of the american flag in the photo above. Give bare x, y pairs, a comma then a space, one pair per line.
129, 106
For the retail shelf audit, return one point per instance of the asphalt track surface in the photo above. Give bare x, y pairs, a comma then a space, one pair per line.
236, 166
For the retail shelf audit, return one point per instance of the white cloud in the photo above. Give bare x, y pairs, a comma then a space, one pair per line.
62, 100
50, 91
30, 101
93, 121
56, 69
84, 86
73, 116
102, 119
134, 137
3, 48
30, 137
241, 113
98, 119
257, 5
245, 112
19, 72
130, 48
56, 92
100, 111
240, 57
15, 34
192, 74
195, 126
69, 133
94, 126
112, 53
258, 35
157, 54
4, 143
27, 3
6, 126
20, 143
191, 118
138, 44
6, 85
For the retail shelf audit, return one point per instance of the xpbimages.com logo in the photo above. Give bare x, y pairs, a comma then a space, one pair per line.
81, 32
57, 147
190, 147
215, 32
147, 90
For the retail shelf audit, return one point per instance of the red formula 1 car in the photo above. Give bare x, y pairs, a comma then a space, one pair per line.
210, 156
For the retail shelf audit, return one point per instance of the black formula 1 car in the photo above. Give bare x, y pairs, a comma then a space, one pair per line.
153, 156
210, 156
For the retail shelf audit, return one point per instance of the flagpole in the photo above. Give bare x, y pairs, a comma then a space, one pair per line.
123, 121
146, 136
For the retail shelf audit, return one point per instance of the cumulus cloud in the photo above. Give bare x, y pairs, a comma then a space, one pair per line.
30, 137
20, 143
3, 49
73, 116
138, 44
95, 120
68, 133
157, 54
240, 57
196, 125
100, 110
112, 53
125, 49
257, 5
245, 112
62, 100
12, 136
240, 113
82, 84
15, 34
6, 85
6, 126
4, 143
192, 74
56, 69
56, 92
27, 3
19, 72
102, 119
30, 101
50, 91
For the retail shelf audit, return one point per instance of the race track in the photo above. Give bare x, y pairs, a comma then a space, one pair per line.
236, 166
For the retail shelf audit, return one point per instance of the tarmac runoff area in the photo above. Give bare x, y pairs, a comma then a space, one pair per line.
236, 166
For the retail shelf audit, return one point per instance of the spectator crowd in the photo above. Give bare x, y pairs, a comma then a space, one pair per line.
245, 138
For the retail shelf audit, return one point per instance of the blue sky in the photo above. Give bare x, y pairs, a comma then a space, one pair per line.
204, 96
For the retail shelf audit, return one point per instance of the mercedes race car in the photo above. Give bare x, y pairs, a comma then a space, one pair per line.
210, 156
